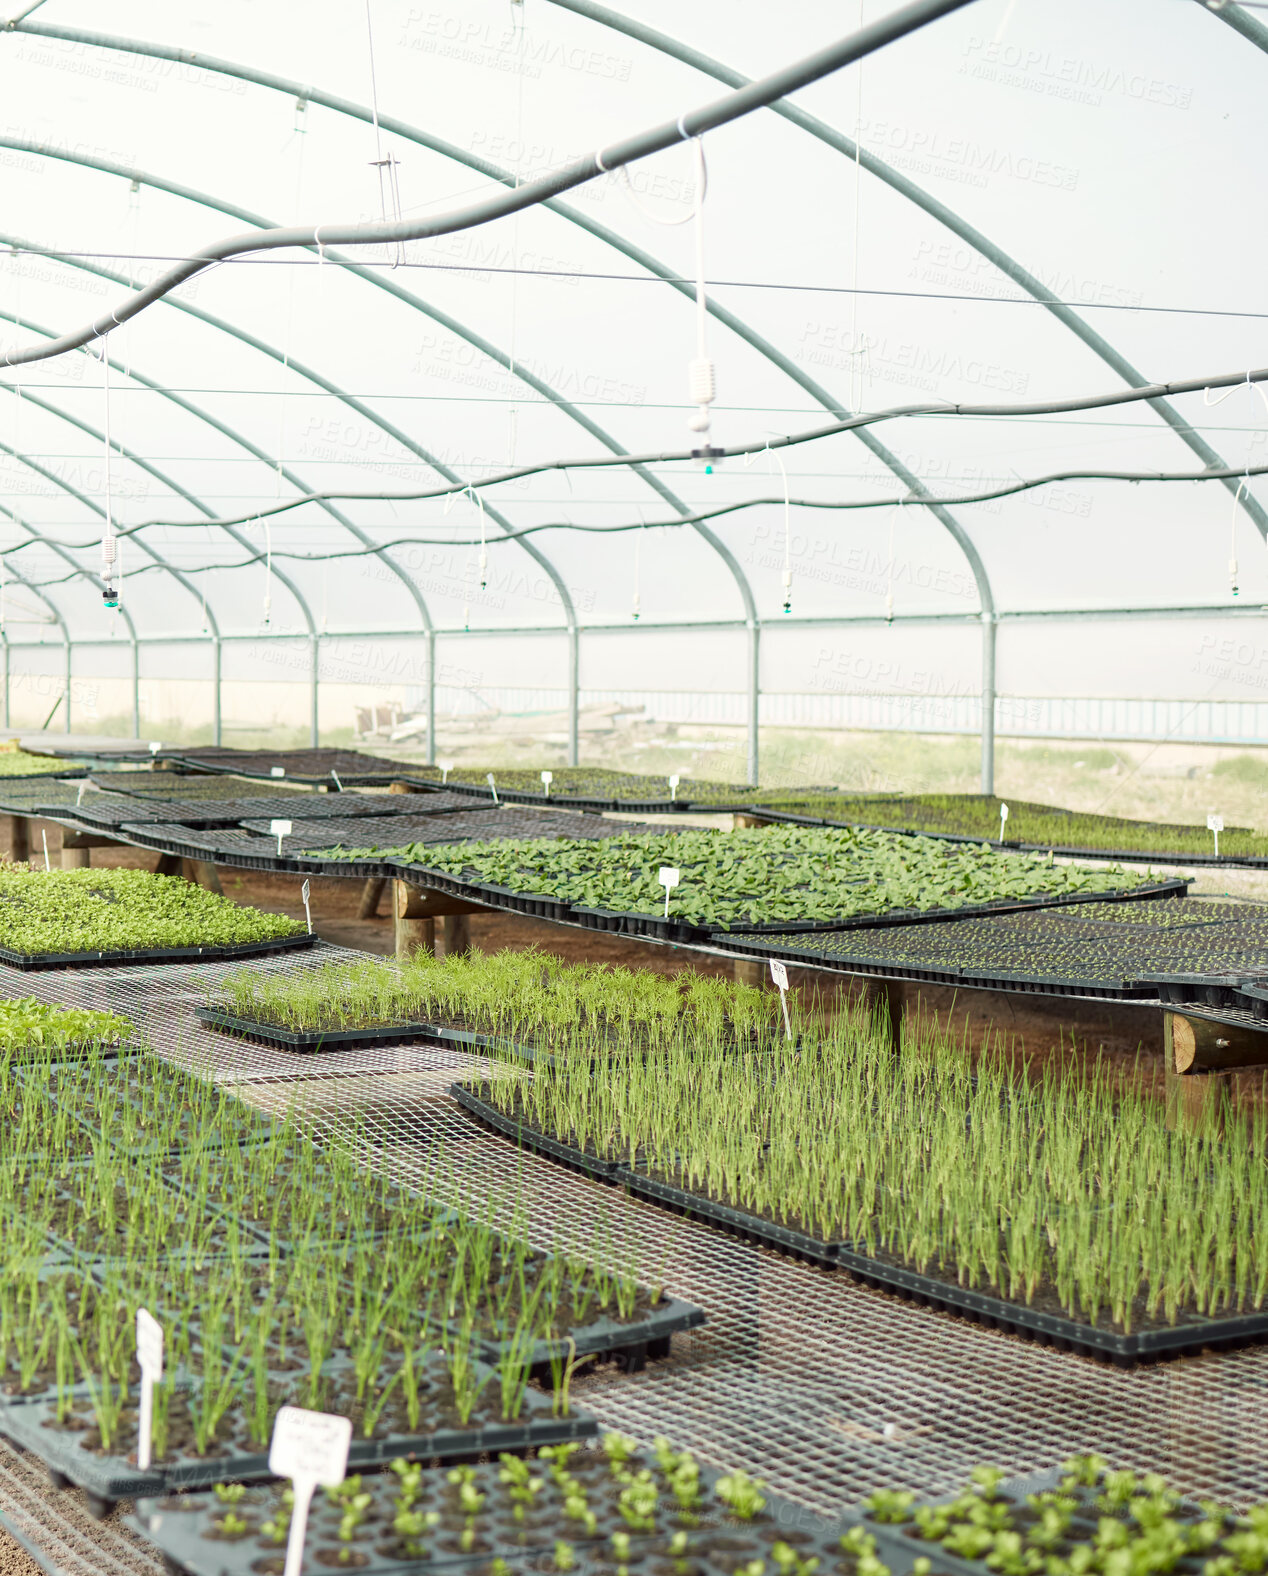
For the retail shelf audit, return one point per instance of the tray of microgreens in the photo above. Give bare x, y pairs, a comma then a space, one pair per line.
53, 918
1054, 1202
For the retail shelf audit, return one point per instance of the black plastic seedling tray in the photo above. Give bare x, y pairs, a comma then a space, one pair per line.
530, 1138
354, 770
1066, 1334
81, 960
716, 1541
310, 1040
106, 1479
1176, 858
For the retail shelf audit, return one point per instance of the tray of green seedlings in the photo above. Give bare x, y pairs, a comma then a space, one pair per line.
522, 1005
349, 768
759, 880
50, 919
38, 1028
1044, 1203
585, 788
977, 818
281, 1274
17, 763
570, 1508
1079, 1520
1178, 949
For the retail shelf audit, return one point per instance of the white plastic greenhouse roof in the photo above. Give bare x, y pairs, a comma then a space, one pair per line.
1019, 202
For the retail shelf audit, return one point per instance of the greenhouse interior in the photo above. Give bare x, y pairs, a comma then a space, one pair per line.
736, 1050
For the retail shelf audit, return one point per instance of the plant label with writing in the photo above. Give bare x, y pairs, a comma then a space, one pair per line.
149, 1356
1215, 825
1003, 818
547, 779
277, 771
488, 777
310, 1448
674, 780
280, 829
304, 892
779, 973
669, 878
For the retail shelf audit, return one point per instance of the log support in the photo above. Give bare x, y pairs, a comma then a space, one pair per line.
371, 892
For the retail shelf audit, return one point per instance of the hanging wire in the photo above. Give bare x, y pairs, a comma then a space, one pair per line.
387, 166
109, 542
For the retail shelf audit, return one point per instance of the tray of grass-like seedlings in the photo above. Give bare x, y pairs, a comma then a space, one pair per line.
1043, 827
760, 881
55, 918
571, 1508
1044, 1202
281, 1273
526, 1006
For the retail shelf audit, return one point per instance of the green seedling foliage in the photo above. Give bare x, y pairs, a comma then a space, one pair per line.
72, 911
764, 876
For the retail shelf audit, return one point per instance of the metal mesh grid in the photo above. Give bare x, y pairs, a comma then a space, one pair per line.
823, 1388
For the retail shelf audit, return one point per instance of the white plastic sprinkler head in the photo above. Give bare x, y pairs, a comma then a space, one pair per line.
1232, 574
787, 590
484, 566
637, 606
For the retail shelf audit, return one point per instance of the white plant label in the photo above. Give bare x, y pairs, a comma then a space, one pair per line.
280, 829
335, 775
79, 797
779, 973
308, 914
445, 768
155, 746
669, 878
149, 1356
1215, 824
547, 779
489, 779
277, 771
310, 1448
1003, 817
44, 835
674, 780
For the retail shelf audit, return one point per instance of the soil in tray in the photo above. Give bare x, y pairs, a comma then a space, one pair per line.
513, 1510
236, 1436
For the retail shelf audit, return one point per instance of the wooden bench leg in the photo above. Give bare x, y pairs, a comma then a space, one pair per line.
371, 892
413, 932
457, 935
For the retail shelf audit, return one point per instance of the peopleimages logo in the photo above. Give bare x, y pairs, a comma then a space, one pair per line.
1067, 76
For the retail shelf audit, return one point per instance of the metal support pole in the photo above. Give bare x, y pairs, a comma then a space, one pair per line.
754, 694
431, 697
66, 707
314, 674
574, 696
215, 689
990, 625
136, 687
